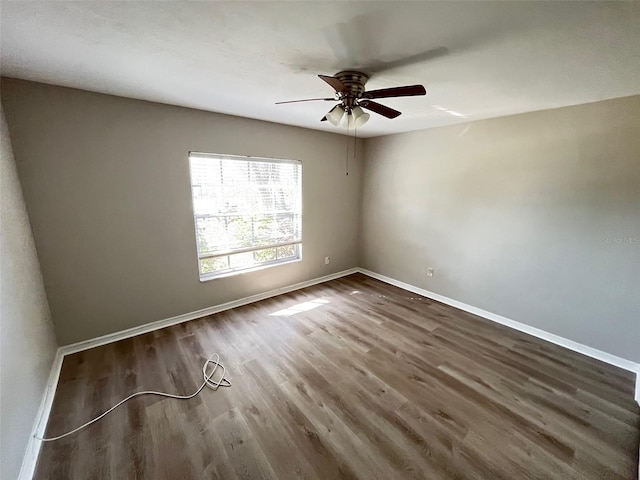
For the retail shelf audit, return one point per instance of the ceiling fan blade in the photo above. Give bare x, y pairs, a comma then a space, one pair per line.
336, 84
407, 91
309, 100
379, 109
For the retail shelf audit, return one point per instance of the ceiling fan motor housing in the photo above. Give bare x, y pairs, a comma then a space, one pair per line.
354, 83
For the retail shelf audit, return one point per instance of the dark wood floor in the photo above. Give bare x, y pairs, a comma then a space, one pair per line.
348, 379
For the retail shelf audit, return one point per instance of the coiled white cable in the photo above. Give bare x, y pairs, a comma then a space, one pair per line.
208, 382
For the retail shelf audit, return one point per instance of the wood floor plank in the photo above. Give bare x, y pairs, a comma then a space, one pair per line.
350, 379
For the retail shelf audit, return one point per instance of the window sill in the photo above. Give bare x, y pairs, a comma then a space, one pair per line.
213, 276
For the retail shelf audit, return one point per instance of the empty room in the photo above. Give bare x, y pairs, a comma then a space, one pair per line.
320, 240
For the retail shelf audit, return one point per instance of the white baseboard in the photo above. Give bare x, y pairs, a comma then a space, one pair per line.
30, 458
536, 332
167, 322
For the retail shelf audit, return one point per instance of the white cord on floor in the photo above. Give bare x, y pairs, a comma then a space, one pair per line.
208, 382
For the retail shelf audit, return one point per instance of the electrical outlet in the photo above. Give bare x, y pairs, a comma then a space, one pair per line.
430, 272
327, 260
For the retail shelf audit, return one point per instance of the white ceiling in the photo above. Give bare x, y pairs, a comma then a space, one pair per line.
239, 58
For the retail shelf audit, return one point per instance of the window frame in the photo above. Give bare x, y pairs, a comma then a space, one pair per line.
205, 277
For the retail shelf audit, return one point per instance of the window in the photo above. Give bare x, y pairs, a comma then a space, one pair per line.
247, 212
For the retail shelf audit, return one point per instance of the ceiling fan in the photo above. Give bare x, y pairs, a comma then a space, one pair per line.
352, 98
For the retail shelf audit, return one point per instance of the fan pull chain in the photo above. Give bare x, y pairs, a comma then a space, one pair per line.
355, 142
347, 163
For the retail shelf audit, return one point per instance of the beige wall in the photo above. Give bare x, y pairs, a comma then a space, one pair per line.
535, 217
106, 182
27, 341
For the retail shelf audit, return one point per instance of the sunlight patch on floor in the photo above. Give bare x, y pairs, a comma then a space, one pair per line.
301, 307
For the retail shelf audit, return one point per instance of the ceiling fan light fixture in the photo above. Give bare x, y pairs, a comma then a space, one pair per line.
358, 117
335, 115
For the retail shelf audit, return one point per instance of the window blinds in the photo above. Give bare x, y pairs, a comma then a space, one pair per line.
244, 204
